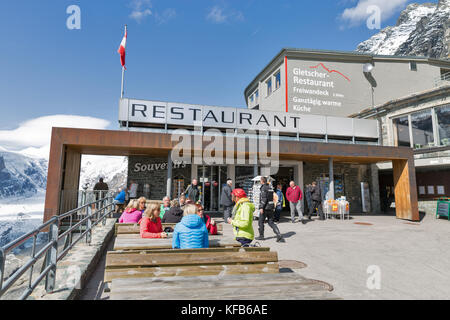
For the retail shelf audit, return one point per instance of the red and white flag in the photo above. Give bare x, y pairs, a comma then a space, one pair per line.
121, 50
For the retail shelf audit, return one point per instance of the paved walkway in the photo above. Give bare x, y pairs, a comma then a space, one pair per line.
413, 258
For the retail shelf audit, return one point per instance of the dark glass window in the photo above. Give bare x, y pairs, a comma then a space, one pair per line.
401, 128
422, 129
277, 80
269, 87
443, 121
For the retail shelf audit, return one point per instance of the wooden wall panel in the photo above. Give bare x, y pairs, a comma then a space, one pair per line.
405, 190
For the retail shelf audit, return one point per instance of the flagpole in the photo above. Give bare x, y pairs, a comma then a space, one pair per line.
123, 75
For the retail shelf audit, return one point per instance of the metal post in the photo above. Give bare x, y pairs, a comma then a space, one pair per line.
255, 166
52, 255
169, 175
203, 187
211, 190
89, 225
2, 266
331, 174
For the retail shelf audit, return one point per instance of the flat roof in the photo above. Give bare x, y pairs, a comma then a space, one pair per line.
338, 55
403, 101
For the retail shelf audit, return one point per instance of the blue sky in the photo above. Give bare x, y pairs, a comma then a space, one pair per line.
194, 51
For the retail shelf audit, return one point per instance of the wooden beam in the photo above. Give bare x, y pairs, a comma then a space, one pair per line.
406, 205
180, 259
190, 271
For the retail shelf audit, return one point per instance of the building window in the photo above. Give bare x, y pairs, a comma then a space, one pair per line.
413, 65
269, 87
401, 129
256, 96
443, 123
277, 80
251, 99
422, 129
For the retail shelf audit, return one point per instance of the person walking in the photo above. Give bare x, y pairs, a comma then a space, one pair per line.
280, 203
308, 189
100, 189
316, 199
266, 211
242, 221
294, 195
192, 192
226, 200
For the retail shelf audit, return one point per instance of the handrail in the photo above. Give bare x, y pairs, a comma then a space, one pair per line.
95, 212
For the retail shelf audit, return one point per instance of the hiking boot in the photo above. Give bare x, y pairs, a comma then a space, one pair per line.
259, 238
303, 221
280, 239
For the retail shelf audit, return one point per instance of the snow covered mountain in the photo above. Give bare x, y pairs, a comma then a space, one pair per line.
113, 170
20, 175
421, 30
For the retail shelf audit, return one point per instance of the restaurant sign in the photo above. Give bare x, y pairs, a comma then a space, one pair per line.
133, 111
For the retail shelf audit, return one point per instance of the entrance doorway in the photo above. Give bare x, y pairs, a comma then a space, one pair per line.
211, 181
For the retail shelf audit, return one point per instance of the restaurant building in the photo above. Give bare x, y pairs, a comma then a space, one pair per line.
422, 122
296, 127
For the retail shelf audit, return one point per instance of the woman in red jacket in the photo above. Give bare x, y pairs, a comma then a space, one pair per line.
151, 226
210, 223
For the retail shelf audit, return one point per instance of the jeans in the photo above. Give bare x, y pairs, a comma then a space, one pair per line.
227, 211
244, 241
269, 216
278, 214
296, 206
316, 205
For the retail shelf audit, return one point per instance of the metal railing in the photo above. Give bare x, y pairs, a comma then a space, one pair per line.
87, 216
443, 79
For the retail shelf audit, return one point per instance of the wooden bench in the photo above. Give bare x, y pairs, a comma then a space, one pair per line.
280, 286
190, 262
135, 242
133, 228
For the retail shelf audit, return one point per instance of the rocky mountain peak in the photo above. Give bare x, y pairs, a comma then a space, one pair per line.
421, 30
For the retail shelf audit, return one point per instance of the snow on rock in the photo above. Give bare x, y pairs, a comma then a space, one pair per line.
113, 170
420, 31
21, 175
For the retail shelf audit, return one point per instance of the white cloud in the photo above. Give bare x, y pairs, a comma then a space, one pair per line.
32, 137
358, 14
141, 9
167, 15
218, 14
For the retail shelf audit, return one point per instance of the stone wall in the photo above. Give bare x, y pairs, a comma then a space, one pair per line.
153, 171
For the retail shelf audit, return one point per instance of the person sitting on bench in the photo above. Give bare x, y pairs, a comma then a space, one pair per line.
131, 213
142, 203
151, 226
119, 200
210, 223
175, 213
242, 220
191, 232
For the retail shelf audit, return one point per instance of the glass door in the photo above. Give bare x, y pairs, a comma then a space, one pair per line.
211, 181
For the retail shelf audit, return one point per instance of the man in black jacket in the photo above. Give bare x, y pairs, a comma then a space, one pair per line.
316, 199
266, 211
226, 200
192, 192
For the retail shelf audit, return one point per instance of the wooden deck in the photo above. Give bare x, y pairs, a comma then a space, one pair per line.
149, 269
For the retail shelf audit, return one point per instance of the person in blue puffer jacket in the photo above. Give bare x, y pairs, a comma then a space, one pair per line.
191, 231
